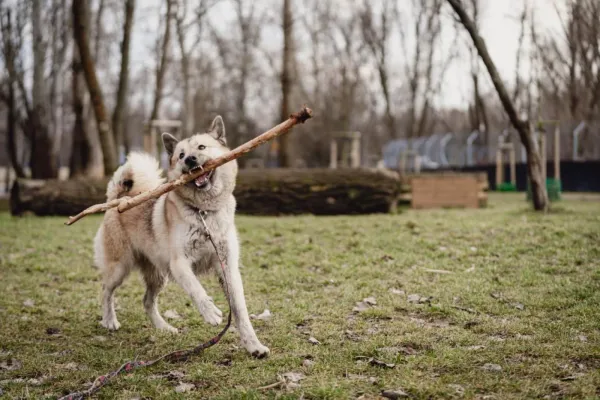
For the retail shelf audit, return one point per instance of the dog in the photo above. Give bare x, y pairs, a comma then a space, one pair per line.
165, 238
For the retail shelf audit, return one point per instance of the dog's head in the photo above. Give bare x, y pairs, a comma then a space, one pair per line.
190, 154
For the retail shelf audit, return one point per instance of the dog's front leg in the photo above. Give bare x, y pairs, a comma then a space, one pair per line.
235, 288
181, 270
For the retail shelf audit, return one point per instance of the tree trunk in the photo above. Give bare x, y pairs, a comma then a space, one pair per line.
121, 103
81, 150
11, 124
162, 66
534, 165
187, 116
80, 29
43, 163
286, 82
258, 192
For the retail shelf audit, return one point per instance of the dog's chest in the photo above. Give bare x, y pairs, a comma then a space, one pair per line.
197, 243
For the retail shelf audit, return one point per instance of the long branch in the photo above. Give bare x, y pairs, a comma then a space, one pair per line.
126, 203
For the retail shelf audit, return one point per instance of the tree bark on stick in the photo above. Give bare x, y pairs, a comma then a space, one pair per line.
80, 28
534, 162
121, 103
126, 203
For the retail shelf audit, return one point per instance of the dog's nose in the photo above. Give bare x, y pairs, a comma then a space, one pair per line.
191, 161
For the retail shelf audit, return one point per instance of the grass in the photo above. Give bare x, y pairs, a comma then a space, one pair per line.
516, 289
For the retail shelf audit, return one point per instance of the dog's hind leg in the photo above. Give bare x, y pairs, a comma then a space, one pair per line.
155, 282
113, 275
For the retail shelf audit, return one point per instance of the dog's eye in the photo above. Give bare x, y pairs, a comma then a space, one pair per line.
181, 155
201, 147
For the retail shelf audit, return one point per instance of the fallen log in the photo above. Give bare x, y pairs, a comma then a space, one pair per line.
55, 197
316, 191
258, 192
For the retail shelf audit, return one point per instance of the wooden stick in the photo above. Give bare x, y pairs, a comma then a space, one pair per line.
126, 203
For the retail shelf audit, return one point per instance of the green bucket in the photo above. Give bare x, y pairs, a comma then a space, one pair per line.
506, 187
553, 186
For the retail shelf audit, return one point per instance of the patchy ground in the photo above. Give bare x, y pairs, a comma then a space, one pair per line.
498, 303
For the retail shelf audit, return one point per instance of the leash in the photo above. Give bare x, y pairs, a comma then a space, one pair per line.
175, 356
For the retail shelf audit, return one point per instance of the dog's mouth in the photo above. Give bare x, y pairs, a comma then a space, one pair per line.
203, 181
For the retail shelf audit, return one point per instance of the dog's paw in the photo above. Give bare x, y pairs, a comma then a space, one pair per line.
259, 351
110, 323
210, 312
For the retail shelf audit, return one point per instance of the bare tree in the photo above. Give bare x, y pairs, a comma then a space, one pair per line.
163, 57
286, 80
184, 28
86, 152
534, 162
377, 34
11, 44
80, 29
427, 32
43, 164
237, 57
121, 101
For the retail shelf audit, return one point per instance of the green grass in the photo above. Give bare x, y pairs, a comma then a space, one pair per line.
523, 292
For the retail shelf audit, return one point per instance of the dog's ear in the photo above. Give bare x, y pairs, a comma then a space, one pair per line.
169, 141
217, 130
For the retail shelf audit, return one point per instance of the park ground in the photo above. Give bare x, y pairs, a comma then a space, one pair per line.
498, 303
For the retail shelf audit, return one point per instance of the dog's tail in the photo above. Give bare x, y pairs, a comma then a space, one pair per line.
140, 173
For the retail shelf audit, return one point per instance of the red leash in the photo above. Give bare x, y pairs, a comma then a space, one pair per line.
175, 356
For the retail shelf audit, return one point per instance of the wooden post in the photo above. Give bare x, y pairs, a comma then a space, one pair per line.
333, 154
499, 169
355, 150
402, 165
513, 166
544, 157
557, 152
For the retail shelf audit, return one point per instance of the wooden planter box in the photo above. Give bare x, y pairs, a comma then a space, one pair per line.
446, 190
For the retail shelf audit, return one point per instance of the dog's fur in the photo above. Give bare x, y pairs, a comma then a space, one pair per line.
165, 238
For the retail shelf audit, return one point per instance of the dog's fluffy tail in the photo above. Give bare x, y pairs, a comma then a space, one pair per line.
140, 173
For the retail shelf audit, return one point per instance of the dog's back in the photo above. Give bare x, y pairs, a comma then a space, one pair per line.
140, 173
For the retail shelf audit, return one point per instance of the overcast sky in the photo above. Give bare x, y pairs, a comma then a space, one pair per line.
500, 29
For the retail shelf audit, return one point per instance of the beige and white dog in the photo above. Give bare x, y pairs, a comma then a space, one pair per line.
165, 238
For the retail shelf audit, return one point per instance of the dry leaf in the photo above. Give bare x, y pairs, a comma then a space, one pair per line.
265, 315
293, 377
394, 394
491, 367
308, 363
314, 341
379, 363
11, 364
171, 314
413, 298
370, 300
459, 389
184, 387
